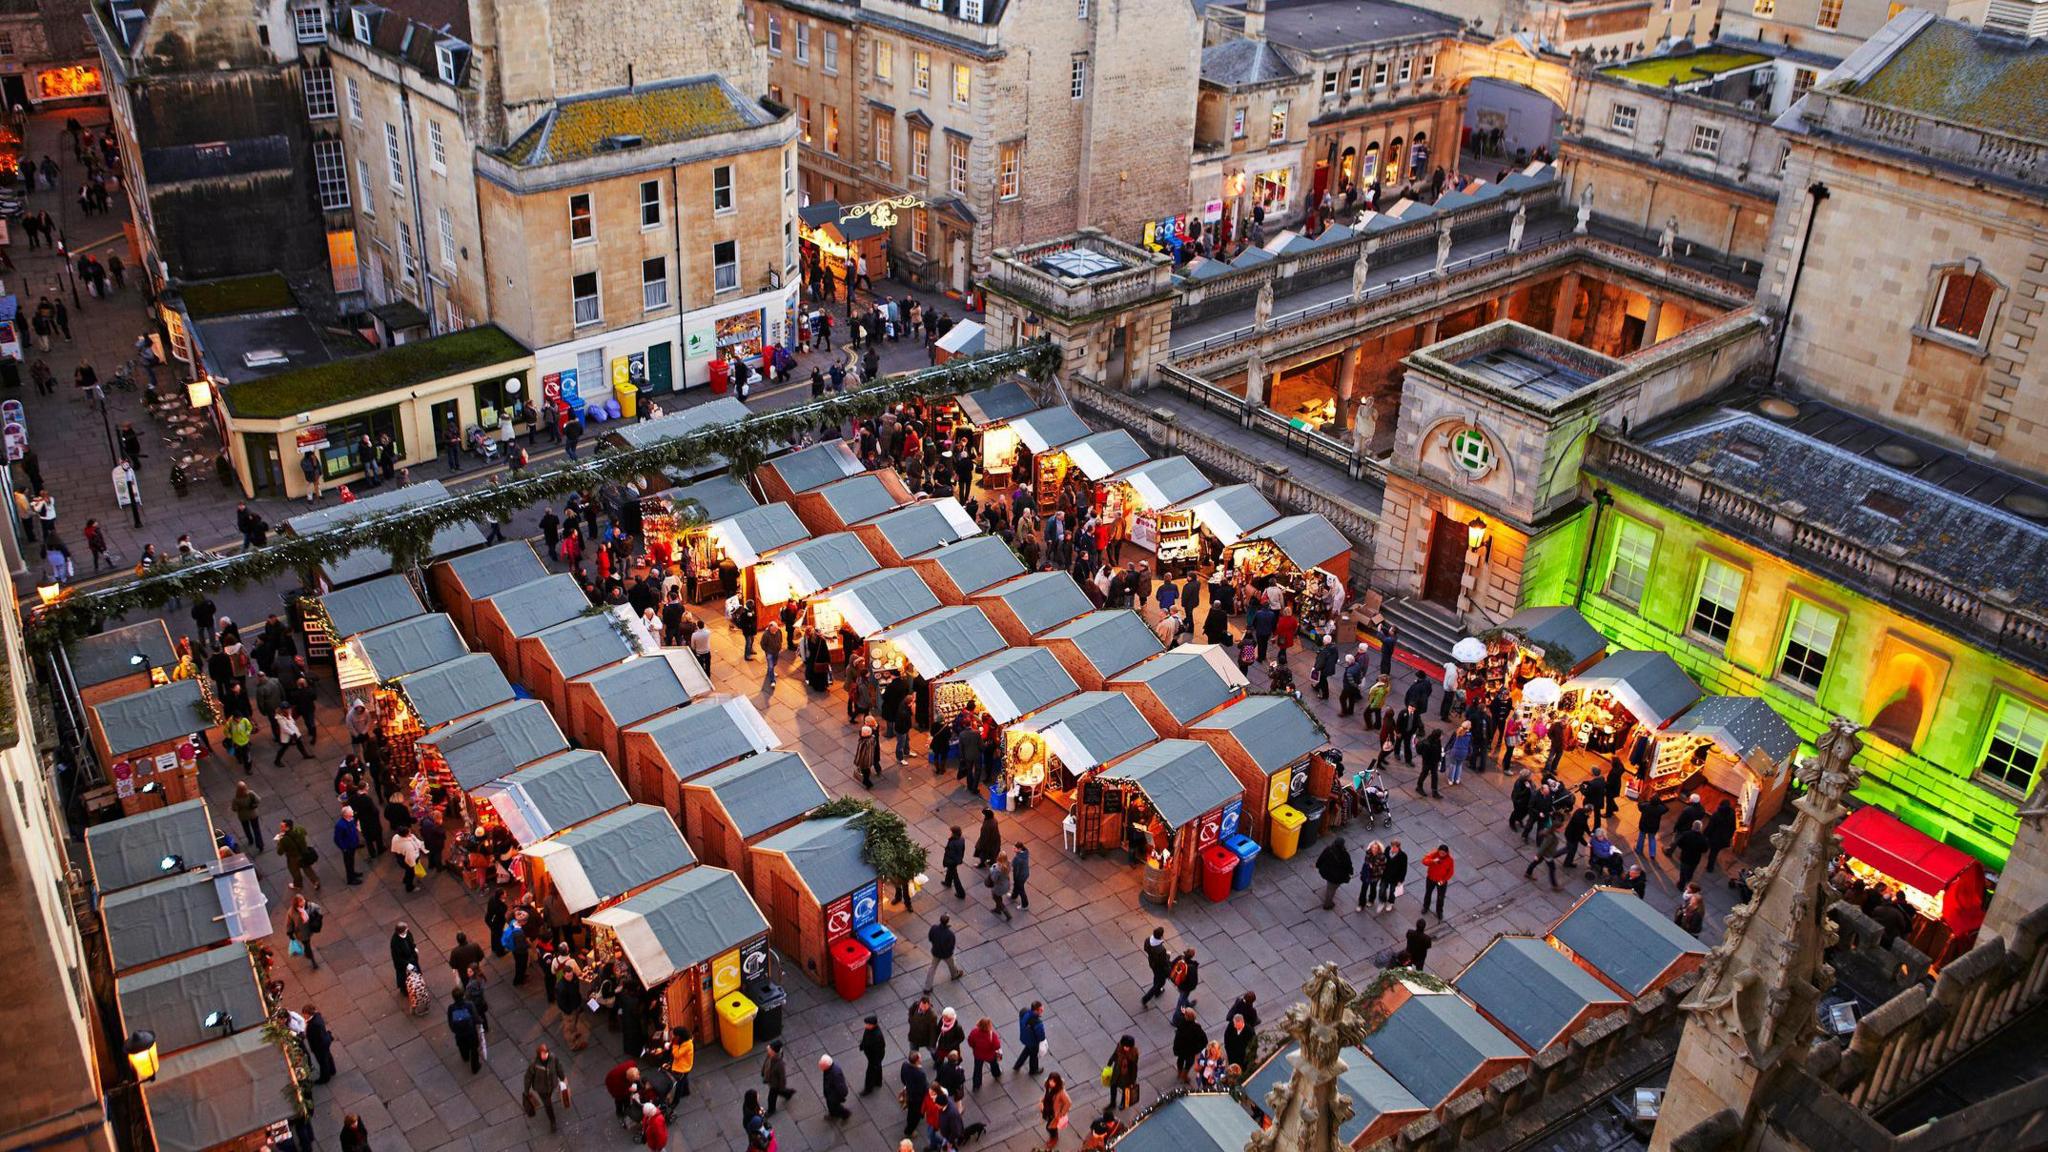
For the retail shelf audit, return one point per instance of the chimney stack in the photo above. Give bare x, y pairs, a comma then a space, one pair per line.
1255, 19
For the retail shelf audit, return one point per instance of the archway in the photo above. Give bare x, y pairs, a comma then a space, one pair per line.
1507, 123
1391, 168
1903, 690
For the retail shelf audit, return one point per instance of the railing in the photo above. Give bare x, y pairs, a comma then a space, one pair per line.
1325, 448
1202, 392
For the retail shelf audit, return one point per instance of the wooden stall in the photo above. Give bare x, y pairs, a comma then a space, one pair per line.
370, 563
1197, 1122
865, 605
1100, 645
808, 879
1631, 947
1437, 1045
1942, 884
958, 571
459, 583
1009, 685
1742, 752
934, 643
1531, 992
697, 418
915, 529
238, 1095
732, 549
604, 703
841, 504
730, 809
328, 620
146, 741
1051, 750
803, 570
150, 845
693, 938
987, 412
368, 659
600, 861
681, 745
177, 915
551, 657
174, 1001
1556, 639
1146, 498
1028, 606
1165, 802
1631, 696
807, 470
1177, 688
1042, 435
123, 661
1303, 554
1230, 513
1380, 1106
674, 521
524, 610
420, 704
476, 750
1274, 748
552, 794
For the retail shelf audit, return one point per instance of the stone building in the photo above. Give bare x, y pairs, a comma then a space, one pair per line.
46, 54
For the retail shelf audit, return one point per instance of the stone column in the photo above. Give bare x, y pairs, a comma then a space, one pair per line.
1650, 324
1429, 332
1347, 385
1567, 303
2023, 885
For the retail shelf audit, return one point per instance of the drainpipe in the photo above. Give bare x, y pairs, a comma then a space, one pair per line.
1817, 192
1601, 499
419, 217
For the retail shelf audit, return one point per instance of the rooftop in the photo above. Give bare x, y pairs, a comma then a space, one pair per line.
1518, 364
1953, 72
1684, 68
1328, 25
251, 346
1235, 62
302, 388
580, 127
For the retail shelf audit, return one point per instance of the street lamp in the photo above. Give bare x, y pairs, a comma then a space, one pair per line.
1475, 534
200, 392
141, 1050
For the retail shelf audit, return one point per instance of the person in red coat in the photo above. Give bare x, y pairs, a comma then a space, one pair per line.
653, 1128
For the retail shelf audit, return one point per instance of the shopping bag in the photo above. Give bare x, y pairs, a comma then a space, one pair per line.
297, 949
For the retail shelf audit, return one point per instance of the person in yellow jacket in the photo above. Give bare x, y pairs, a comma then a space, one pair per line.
239, 731
682, 1057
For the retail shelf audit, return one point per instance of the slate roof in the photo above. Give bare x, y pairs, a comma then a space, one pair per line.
1231, 511
1433, 1041
496, 741
996, 403
826, 854
173, 1000
1373, 1091
162, 918
714, 499
1623, 938
1276, 730
749, 534
610, 856
977, 562
410, 645
1186, 681
816, 466
1235, 62
764, 790
1106, 453
818, 564
454, 689
152, 716
1562, 627
540, 604
711, 732
1091, 729
372, 604
131, 850
938, 642
1740, 723
858, 498
583, 645
366, 563
1318, 26
1184, 779
669, 112
105, 656
1110, 639
1199, 1122
1307, 540
713, 413
1954, 72
489, 571
1650, 684
883, 599
1017, 682
1042, 600
1531, 989
558, 792
637, 689
1049, 428
682, 922
217, 1094
1164, 483
918, 528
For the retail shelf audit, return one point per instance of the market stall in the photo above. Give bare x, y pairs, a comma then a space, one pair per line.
716, 412
1176, 688
371, 658
934, 643
179, 914
1738, 749
175, 1002
916, 529
1630, 696
458, 584
1146, 495
1532, 993
603, 704
705, 501
552, 794
1165, 802
730, 809
1099, 645
598, 861
966, 338
987, 412
1051, 750
686, 743
835, 244
1008, 685
1197, 1122
1274, 748
809, 879
123, 661
691, 938
1024, 608
525, 610
148, 742
730, 549
841, 504
149, 845
1304, 554
497, 741
1380, 1106
1229, 513
1633, 948
1942, 884
370, 563
804, 570
238, 1095
328, 620
551, 657
417, 705
959, 570
1042, 437
868, 604
807, 470
1438, 1046
1555, 641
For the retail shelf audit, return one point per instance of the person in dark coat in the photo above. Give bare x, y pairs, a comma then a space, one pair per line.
467, 1029
1189, 1038
1694, 812
1334, 866
1575, 831
1649, 821
832, 1086
988, 843
954, 855
319, 1042
1691, 845
1240, 1037
1615, 771
1720, 831
873, 1047
405, 953
915, 1085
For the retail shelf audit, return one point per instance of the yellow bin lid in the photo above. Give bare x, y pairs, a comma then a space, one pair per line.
736, 1008
1289, 815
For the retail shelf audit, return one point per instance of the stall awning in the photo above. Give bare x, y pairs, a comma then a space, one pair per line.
409, 646
108, 656
1308, 541
682, 922
1624, 939
1531, 989
882, 599
1106, 453
367, 563
1016, 682
996, 403
173, 1000
709, 501
815, 565
1276, 730
584, 644
538, 604
1202, 1122
1090, 729
559, 792
859, 498
1049, 428
1191, 680
1111, 639
938, 642
1650, 685
496, 741
1372, 1090
1917, 860
132, 850
152, 716
455, 689
606, 858
219, 1094
1433, 1042
1740, 725
1184, 779
646, 686
163, 918
829, 855
764, 790
1042, 600
1164, 483
747, 536
713, 731
1228, 513
1562, 628
718, 411
925, 525
816, 466
965, 338
977, 563
489, 571
373, 604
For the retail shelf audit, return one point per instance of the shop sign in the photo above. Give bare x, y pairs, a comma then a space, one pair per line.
69, 81
1212, 211
754, 961
838, 918
1209, 829
551, 387
725, 973
312, 438
124, 778
1297, 785
866, 905
697, 344
1233, 817
16, 437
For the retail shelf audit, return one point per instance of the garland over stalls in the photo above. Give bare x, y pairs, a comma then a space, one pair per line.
889, 849
405, 533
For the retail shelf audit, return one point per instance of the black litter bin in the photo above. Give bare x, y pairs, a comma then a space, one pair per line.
768, 998
1315, 811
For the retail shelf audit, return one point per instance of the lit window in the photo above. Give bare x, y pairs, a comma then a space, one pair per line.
2012, 748
318, 84
437, 146
956, 164
1077, 80
583, 293
1809, 642
445, 221
803, 119
1237, 124
832, 129
1706, 140
1830, 14
725, 266
1622, 118
1007, 182
963, 82
650, 203
1379, 74
355, 100
774, 34
885, 61
368, 202
1802, 79
1407, 70
582, 227
920, 236
1713, 610
831, 60
802, 29
444, 63
1330, 82
721, 188
330, 172
394, 160
309, 21
920, 154
653, 284
1357, 78
884, 132
1962, 302
1278, 127
1628, 561
405, 255
1765, 7
341, 260
920, 70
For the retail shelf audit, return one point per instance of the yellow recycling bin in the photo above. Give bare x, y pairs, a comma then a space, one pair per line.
1286, 835
629, 399
736, 1024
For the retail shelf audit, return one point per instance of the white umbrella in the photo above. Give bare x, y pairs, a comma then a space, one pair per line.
1541, 692
1470, 650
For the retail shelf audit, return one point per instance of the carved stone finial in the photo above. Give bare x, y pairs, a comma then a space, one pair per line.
1306, 1109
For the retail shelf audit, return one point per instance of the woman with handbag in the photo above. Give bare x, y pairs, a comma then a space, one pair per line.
1123, 1073
301, 924
1053, 1108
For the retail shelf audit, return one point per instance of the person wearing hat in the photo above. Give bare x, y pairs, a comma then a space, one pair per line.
874, 1047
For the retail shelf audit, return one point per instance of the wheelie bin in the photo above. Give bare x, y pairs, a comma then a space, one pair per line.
1286, 834
849, 968
768, 998
881, 946
1245, 849
1219, 864
736, 1024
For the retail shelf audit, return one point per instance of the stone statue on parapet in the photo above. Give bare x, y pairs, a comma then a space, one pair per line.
1443, 249
1306, 1108
1360, 269
1667, 239
1262, 309
1585, 210
1516, 226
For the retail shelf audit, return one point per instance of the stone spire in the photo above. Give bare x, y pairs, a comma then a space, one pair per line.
1754, 1008
1306, 1108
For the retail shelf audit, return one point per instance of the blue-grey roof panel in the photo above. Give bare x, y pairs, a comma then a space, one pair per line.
1624, 939
496, 741
372, 604
131, 850
454, 689
1531, 989
764, 790
107, 656
1433, 1042
828, 855
977, 562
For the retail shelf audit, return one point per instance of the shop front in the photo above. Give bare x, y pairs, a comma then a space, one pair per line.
1941, 884
421, 704
895, 537
598, 862
1740, 750
1004, 687
934, 643
1275, 749
1100, 645
372, 658
460, 582
1050, 751
691, 939
1305, 555
1165, 803
961, 570
1553, 642
729, 552
801, 571
1148, 497
1177, 688
1044, 434
1631, 696
988, 413
526, 806
866, 605
832, 246
330, 619
492, 744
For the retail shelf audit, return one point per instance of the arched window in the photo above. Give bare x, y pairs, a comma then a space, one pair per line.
1962, 302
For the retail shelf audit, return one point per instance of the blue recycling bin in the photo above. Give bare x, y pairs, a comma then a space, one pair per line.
998, 798
1246, 849
881, 946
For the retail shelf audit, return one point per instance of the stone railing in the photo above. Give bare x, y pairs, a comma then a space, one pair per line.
1145, 276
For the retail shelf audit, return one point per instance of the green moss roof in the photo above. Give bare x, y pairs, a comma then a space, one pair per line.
1658, 71
302, 390
577, 128
1951, 72
262, 292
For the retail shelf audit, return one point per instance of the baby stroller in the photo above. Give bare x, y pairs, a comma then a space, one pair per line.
656, 1087
1375, 805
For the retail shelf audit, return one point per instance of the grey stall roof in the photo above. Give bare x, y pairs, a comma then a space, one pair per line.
583, 645
1017, 682
410, 645
106, 656
816, 565
1531, 989
998, 402
817, 466
1106, 453
366, 563
1049, 428
1308, 541
1164, 483
1433, 1041
1200, 1122
1042, 600
753, 532
1111, 640
489, 571
1740, 723
372, 604
1184, 779
173, 1000
610, 856
1091, 728
163, 918
883, 599
764, 790
637, 689
938, 642
1562, 627
539, 604
1373, 1091
1186, 681
1624, 939
497, 740
682, 922
712, 499
828, 855
1231, 511
859, 498
688, 422
1276, 730
977, 562
454, 689
558, 792
918, 528
711, 732
217, 1094
131, 850
1650, 684
152, 716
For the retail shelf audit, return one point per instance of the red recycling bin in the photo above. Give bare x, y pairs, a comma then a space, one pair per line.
850, 966
720, 376
1219, 868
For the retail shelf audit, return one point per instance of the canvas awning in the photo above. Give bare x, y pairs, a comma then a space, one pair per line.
1740, 725
1917, 860
965, 338
558, 792
109, 656
1561, 628
682, 922
163, 918
1308, 541
452, 690
816, 466
372, 604
995, 403
1191, 680
938, 642
605, 858
133, 849
715, 730
1228, 513
925, 525
173, 1000
1184, 779
1090, 729
1049, 428
882, 599
747, 536
646, 686
1164, 483
1042, 600
709, 501
1372, 1090
763, 790
1111, 639
152, 716
1106, 453
584, 644
1434, 1041
496, 741
1531, 989
368, 563
977, 563
1650, 685
489, 571
815, 565
858, 498
1623, 939
1016, 682
829, 856
219, 1094
540, 604
1200, 1122
408, 646
1277, 731
713, 413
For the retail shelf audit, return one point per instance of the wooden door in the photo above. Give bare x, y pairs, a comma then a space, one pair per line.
1446, 567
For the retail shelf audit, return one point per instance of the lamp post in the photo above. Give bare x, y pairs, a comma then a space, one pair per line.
141, 1052
64, 250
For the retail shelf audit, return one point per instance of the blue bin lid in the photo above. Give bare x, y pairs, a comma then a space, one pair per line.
875, 936
1243, 845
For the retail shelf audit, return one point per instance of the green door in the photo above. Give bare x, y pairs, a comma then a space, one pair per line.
660, 378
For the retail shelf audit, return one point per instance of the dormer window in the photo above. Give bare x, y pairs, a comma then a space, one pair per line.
445, 63
362, 21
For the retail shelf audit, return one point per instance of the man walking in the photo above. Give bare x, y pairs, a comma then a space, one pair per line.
468, 1033
1020, 871
348, 840
954, 855
915, 1086
1437, 869
1186, 975
1030, 1035
1649, 821
775, 1075
943, 942
1334, 866
832, 1086
246, 804
1160, 962
298, 854
873, 1046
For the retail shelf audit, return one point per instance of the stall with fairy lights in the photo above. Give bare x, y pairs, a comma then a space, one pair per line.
807, 470
675, 523
1943, 885
527, 806
1044, 434
1150, 495
810, 879
1179, 687
1738, 749
1228, 514
461, 582
1164, 803
149, 742
1011, 684
240, 1094
601, 861
423, 702
1092, 460
1631, 696
371, 658
987, 413
552, 657
730, 550
730, 809
835, 240
916, 529
526, 610
694, 939
866, 605
119, 662
803, 570
603, 704
1304, 554
461, 759
958, 571
370, 563
1097, 646
1274, 747
150, 845
1024, 608
934, 643
841, 504
1051, 750
329, 620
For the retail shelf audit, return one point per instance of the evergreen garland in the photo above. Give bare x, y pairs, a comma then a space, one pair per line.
889, 849
406, 534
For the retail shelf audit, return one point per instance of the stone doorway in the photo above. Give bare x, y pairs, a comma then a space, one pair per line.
1444, 573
